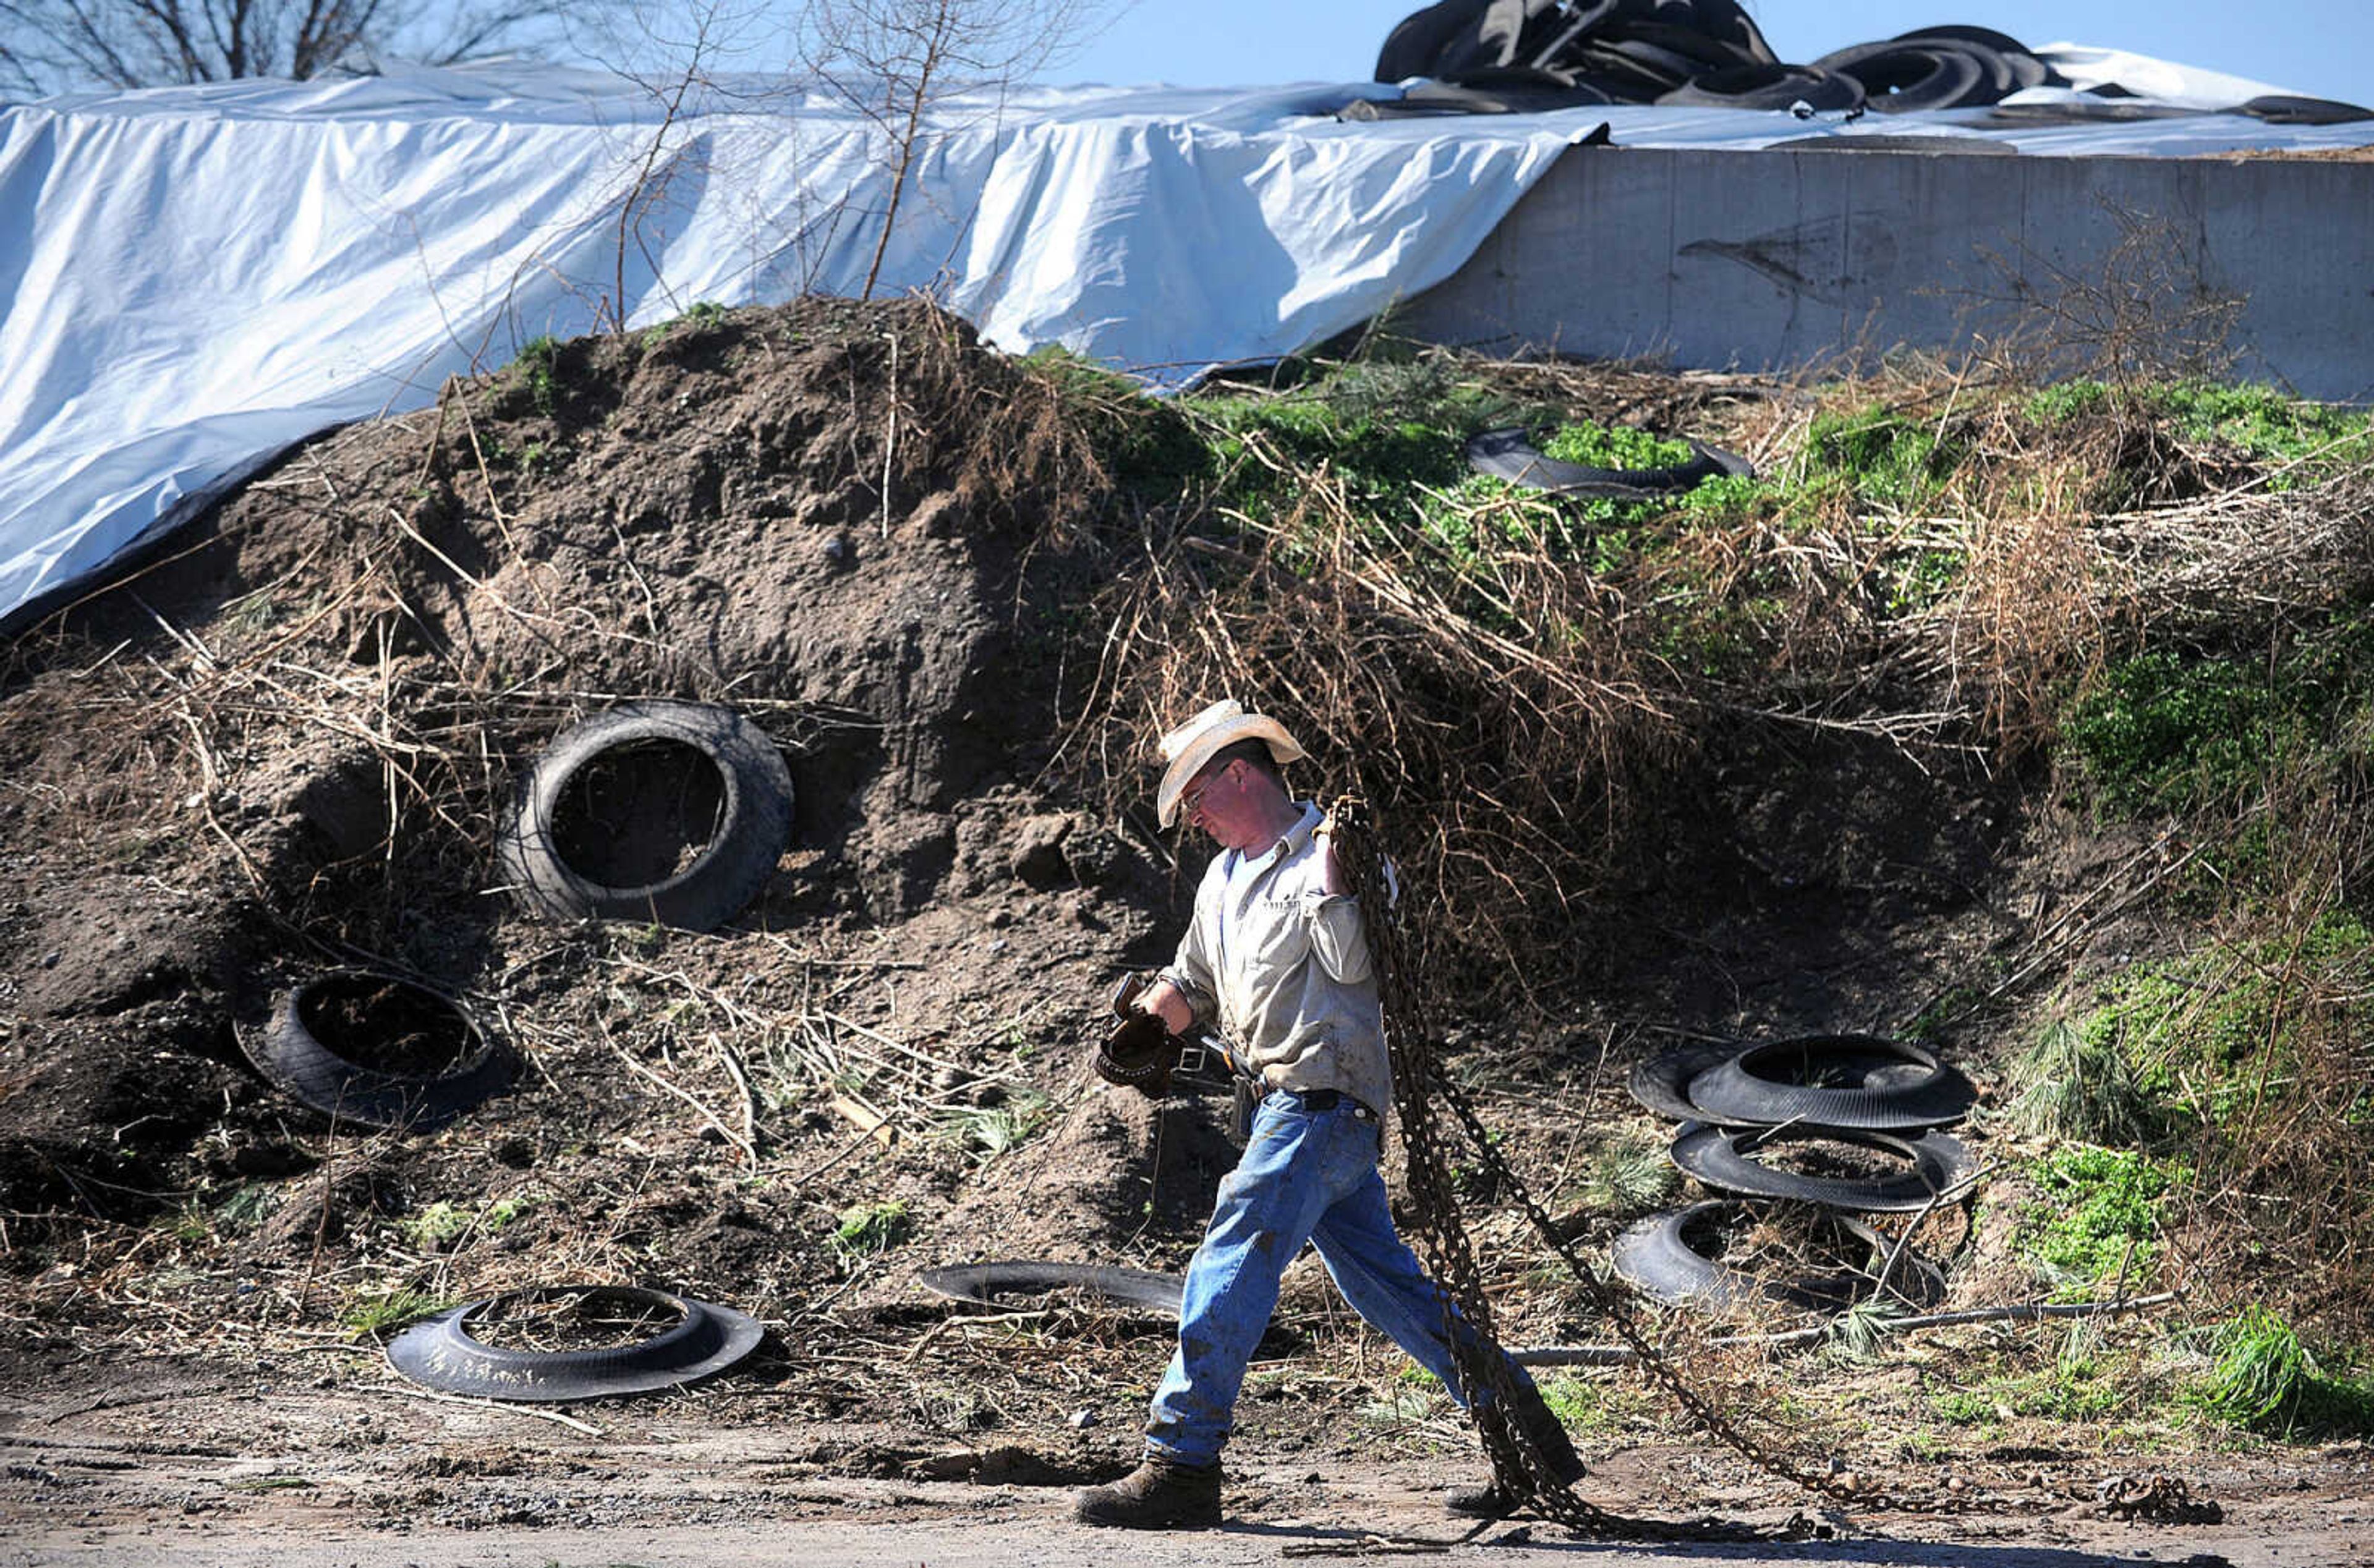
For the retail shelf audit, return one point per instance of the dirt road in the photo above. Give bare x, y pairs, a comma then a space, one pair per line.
196, 1467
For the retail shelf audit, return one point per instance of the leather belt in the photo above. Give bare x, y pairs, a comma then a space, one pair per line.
1328, 1099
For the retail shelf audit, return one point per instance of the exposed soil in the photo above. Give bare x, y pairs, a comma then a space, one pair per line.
321, 1459
285, 744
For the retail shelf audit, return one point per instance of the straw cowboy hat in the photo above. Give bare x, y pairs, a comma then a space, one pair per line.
1195, 742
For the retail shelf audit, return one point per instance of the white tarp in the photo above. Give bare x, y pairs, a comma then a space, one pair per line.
194, 278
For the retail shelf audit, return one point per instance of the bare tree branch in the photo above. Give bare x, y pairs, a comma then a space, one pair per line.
56, 45
900, 63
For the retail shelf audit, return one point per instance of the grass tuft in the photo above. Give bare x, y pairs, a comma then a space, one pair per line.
2078, 1087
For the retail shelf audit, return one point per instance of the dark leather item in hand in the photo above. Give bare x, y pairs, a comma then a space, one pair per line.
1139, 1052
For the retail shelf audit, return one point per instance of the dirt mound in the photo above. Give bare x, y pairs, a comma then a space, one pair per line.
289, 742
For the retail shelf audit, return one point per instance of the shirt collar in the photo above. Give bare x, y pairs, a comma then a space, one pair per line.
1298, 838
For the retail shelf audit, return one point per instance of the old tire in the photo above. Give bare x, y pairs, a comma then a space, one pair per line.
1509, 454
2282, 108
1850, 1081
669, 813
441, 1352
1903, 78
1658, 1257
1768, 86
1723, 1158
1662, 1081
313, 1047
986, 1284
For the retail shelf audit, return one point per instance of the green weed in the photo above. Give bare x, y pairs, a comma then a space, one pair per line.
2178, 731
2100, 1219
2268, 428
537, 365
389, 1307
236, 1213
1861, 1332
2167, 731
1733, 497
2265, 1379
2067, 1391
1589, 1409
701, 313
2185, 1025
1616, 446
2261, 1366
1624, 1175
1883, 455
437, 1225
987, 1132
443, 1222
2064, 401
1402, 1406
869, 1228
254, 612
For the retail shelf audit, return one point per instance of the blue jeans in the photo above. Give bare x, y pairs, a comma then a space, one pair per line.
1306, 1175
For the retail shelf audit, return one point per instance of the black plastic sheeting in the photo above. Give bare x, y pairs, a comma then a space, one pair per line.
1518, 56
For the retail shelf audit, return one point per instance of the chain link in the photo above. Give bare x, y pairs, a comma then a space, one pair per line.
1419, 1081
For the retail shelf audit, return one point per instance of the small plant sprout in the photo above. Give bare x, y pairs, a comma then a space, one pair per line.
389, 1306
866, 1229
1859, 1333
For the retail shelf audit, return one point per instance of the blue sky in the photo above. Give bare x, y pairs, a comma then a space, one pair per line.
2323, 48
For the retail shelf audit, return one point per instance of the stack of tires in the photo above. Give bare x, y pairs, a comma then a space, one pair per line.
1759, 1125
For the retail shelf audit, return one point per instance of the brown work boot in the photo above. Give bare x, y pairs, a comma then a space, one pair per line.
1160, 1494
1491, 1500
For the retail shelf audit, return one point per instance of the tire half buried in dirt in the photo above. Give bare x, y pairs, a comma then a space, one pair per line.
371, 1049
1659, 1256
1509, 454
988, 1284
670, 812
704, 1340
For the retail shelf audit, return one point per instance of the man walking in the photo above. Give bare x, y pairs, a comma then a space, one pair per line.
1278, 958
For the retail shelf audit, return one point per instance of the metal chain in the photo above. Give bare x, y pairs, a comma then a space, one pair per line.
1418, 1081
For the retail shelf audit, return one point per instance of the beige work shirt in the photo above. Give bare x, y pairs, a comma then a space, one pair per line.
1282, 966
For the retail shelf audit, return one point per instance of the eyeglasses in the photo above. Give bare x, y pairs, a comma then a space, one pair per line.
1193, 795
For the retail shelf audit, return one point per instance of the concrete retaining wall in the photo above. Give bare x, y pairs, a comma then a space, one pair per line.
1791, 258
